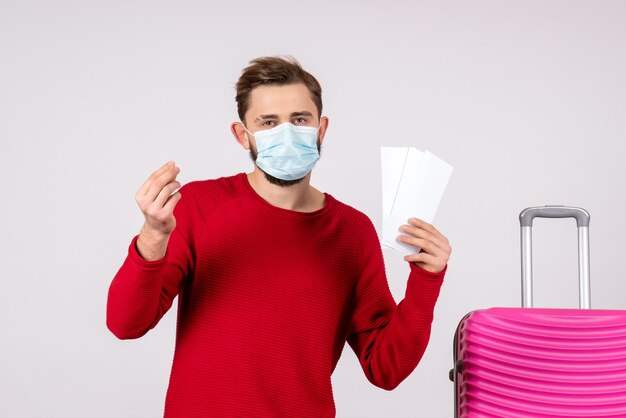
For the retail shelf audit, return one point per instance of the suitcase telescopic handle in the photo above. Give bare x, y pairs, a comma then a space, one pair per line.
582, 217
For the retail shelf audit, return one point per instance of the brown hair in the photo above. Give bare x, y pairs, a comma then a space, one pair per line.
274, 71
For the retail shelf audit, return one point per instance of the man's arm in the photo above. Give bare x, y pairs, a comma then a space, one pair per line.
390, 339
158, 259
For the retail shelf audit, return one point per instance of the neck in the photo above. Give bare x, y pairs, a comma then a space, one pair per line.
301, 197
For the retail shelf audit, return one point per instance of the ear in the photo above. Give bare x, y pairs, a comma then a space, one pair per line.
240, 134
323, 127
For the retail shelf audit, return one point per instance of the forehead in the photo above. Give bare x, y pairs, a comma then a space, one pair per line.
280, 100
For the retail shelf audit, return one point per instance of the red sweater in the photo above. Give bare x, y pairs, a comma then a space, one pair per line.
267, 298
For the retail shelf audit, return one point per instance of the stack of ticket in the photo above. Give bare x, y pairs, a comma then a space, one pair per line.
413, 185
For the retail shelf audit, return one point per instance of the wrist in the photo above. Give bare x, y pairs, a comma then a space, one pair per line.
151, 244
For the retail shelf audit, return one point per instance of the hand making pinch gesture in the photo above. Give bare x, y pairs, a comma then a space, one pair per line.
157, 198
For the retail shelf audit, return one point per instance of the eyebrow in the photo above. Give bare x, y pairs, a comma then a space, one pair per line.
303, 113
293, 115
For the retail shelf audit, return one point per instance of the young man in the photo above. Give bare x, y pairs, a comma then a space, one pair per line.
272, 275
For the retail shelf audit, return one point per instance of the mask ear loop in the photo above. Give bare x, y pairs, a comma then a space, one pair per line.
246, 129
319, 124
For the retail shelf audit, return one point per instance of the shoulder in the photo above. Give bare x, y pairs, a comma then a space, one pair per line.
351, 217
221, 186
362, 235
202, 196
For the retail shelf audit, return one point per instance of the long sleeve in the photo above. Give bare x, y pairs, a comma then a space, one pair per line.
143, 291
390, 339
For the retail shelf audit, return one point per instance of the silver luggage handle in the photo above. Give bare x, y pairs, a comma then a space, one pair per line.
582, 217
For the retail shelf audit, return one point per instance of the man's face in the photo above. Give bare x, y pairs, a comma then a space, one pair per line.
271, 106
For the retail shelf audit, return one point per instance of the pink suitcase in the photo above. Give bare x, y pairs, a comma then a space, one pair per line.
539, 363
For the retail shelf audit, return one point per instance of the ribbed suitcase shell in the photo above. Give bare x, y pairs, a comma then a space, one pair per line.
536, 362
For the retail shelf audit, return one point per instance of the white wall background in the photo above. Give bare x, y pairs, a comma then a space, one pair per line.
527, 99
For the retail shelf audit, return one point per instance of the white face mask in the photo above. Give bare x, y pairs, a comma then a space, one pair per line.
287, 151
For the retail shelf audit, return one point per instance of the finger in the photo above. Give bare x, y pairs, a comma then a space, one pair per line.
160, 182
421, 258
428, 227
418, 232
172, 201
426, 245
427, 261
146, 185
165, 193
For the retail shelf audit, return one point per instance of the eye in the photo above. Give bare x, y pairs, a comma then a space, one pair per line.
300, 120
267, 123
